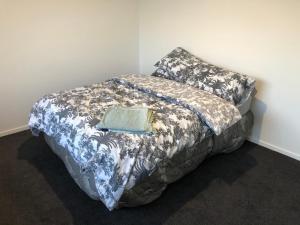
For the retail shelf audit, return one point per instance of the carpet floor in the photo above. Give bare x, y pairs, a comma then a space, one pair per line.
250, 186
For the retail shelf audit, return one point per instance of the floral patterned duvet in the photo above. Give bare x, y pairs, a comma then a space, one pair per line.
183, 116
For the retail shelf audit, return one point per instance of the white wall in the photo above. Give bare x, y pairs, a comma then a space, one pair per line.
47, 46
50, 45
259, 38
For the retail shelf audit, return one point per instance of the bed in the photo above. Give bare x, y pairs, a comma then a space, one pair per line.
124, 169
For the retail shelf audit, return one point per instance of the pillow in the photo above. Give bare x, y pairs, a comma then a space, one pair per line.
163, 73
173, 65
182, 66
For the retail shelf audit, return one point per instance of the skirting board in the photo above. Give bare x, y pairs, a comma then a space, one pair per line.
12, 131
275, 148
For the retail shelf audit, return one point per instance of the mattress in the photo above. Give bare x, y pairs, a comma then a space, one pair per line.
151, 187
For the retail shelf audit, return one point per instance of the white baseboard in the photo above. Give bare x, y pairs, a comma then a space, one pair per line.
14, 130
275, 148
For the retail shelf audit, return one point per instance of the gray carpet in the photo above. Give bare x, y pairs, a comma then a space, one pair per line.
251, 186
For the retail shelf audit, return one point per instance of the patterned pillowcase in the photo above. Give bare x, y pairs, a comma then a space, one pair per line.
182, 66
163, 73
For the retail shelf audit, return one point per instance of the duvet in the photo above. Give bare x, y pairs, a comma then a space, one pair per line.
183, 117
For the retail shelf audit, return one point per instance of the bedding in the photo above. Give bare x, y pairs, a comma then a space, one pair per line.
162, 72
212, 110
243, 106
120, 161
149, 188
182, 66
